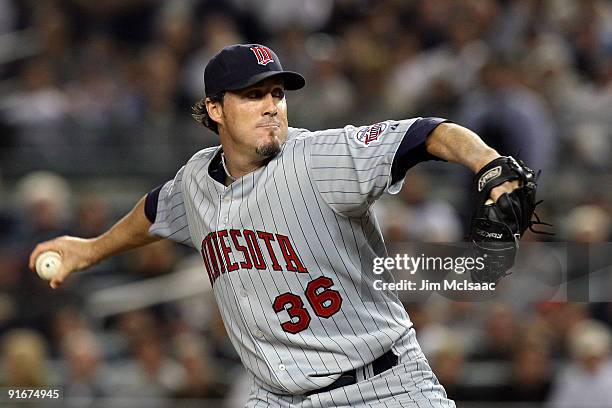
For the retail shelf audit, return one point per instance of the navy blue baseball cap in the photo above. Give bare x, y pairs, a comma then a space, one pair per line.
240, 66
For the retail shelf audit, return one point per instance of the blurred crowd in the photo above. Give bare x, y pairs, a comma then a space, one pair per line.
95, 101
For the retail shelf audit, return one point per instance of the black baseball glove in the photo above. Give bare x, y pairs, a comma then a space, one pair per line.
496, 228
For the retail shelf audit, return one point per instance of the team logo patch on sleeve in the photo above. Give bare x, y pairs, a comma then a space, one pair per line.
371, 133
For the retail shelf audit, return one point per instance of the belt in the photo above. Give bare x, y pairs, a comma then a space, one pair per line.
381, 364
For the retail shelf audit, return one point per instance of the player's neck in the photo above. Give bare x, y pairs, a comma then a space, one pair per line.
229, 179
237, 165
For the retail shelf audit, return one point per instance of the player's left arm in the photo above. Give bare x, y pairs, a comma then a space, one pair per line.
496, 228
457, 144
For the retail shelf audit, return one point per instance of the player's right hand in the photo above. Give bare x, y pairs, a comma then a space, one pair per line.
76, 253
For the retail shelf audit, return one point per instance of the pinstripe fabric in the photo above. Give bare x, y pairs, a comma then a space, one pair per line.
303, 218
171, 216
410, 384
350, 174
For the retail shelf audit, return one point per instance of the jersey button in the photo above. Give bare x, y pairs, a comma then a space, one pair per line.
243, 292
281, 367
259, 334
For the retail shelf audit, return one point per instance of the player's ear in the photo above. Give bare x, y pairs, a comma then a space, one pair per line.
214, 109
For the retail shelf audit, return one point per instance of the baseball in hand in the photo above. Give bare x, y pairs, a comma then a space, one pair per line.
489, 202
48, 264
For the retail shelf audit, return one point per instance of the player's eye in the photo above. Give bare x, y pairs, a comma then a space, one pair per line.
278, 93
254, 94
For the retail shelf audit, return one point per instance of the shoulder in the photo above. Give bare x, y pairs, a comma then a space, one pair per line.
199, 160
297, 135
361, 135
203, 156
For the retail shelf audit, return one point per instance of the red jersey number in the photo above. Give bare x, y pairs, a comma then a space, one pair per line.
300, 319
324, 301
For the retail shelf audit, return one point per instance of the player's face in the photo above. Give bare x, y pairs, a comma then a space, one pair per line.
254, 119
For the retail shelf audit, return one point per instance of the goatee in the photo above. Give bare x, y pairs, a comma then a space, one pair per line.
268, 150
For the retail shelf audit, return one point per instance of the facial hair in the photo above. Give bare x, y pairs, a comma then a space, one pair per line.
268, 150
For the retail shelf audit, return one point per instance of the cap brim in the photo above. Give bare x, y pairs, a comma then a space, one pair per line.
291, 80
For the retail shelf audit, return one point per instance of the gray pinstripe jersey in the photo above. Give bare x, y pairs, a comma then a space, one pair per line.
288, 249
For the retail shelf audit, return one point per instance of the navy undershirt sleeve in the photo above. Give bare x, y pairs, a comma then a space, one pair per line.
412, 150
150, 207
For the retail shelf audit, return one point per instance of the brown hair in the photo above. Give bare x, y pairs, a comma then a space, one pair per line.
200, 114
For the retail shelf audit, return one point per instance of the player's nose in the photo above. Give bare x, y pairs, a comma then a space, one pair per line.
269, 104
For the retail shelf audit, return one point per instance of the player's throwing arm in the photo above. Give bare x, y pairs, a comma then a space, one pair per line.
56, 259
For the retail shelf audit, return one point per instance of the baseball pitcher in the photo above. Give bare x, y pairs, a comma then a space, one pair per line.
282, 218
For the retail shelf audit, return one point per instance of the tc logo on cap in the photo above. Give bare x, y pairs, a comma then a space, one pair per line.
263, 55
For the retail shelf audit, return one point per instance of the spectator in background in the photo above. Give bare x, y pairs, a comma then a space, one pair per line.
588, 223
276, 15
174, 28
132, 325
509, 116
214, 31
153, 260
433, 335
293, 42
499, 339
159, 85
440, 74
556, 321
44, 199
24, 360
100, 94
201, 376
38, 110
531, 374
334, 93
54, 34
592, 106
419, 216
43, 203
158, 372
408, 77
366, 62
546, 62
147, 370
587, 380
448, 362
93, 215
11, 269
588, 278
86, 376
8, 16
589, 33
66, 322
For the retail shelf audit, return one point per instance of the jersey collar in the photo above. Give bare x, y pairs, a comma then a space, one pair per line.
215, 169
